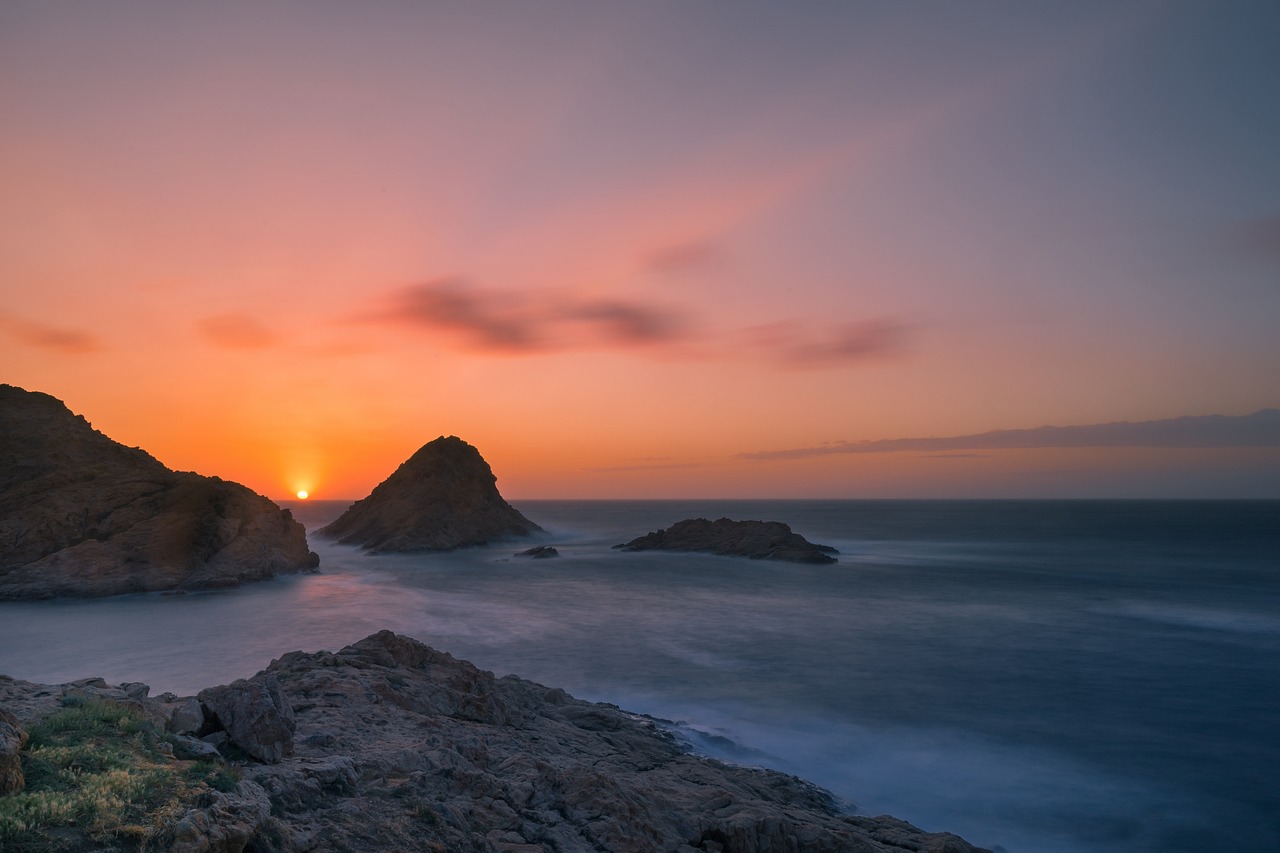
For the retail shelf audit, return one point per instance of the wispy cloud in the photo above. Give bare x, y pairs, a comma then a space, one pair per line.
691, 255
1260, 429
521, 322
794, 344
236, 331
54, 338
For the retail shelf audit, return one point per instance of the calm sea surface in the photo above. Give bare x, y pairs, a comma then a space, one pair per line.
1043, 677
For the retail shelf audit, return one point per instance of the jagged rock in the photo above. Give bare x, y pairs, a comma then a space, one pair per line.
186, 716
227, 824
255, 715
185, 746
759, 540
444, 497
12, 739
539, 552
402, 747
82, 515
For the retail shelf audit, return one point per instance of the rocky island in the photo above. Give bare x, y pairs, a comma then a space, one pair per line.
82, 515
759, 540
389, 745
443, 497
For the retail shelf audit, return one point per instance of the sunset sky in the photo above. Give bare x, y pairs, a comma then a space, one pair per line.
655, 249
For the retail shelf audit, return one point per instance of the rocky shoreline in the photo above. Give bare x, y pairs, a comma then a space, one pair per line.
390, 745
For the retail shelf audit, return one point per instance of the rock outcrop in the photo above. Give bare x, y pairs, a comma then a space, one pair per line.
759, 540
402, 747
82, 515
255, 715
443, 497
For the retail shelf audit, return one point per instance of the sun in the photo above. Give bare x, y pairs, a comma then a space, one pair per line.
302, 494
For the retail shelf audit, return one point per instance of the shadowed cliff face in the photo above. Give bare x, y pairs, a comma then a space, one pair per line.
83, 515
443, 497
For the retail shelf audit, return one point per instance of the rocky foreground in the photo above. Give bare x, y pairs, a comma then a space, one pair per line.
758, 540
82, 515
443, 497
388, 745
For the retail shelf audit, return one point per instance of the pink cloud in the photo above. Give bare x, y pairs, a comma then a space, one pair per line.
55, 338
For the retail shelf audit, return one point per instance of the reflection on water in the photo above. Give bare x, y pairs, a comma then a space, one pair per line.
1048, 686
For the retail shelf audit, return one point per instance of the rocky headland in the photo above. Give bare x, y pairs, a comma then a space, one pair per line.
389, 745
82, 515
758, 540
443, 497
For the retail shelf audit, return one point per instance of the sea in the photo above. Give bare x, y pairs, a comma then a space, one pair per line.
1036, 676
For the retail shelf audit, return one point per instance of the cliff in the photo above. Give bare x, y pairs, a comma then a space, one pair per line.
443, 497
390, 745
82, 515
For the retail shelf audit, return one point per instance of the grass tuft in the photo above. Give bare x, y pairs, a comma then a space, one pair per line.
95, 778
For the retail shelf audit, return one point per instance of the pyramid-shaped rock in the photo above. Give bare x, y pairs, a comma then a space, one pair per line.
444, 497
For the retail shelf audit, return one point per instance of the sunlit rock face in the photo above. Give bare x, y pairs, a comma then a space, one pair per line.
444, 497
82, 515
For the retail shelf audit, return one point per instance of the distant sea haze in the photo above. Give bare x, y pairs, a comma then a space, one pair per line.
1037, 676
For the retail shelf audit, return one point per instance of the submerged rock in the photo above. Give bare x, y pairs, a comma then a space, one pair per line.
83, 515
443, 497
759, 540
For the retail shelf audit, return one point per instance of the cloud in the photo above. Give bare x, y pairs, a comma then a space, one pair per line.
512, 322
55, 338
1260, 429
793, 344
519, 322
236, 331
695, 254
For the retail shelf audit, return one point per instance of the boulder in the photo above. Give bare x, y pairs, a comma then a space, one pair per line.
758, 540
255, 715
82, 515
443, 497
12, 739
228, 823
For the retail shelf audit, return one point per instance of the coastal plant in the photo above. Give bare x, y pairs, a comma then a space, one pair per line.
96, 776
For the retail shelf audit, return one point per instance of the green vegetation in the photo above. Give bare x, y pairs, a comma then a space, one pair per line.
98, 777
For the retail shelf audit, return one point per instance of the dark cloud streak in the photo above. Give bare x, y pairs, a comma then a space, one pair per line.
532, 322
1260, 429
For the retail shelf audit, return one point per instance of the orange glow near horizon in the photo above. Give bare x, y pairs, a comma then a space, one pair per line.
289, 249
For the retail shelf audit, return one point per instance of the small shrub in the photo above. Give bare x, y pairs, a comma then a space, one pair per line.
95, 778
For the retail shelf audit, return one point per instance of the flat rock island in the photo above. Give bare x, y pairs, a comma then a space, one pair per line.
389, 745
82, 515
443, 497
758, 540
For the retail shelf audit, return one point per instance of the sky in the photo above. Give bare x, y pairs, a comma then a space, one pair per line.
655, 249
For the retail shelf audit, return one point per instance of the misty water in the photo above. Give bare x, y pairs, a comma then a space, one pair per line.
1042, 677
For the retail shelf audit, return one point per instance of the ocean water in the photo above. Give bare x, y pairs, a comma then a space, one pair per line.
1039, 677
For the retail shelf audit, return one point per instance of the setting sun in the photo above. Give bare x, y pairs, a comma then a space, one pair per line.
302, 494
